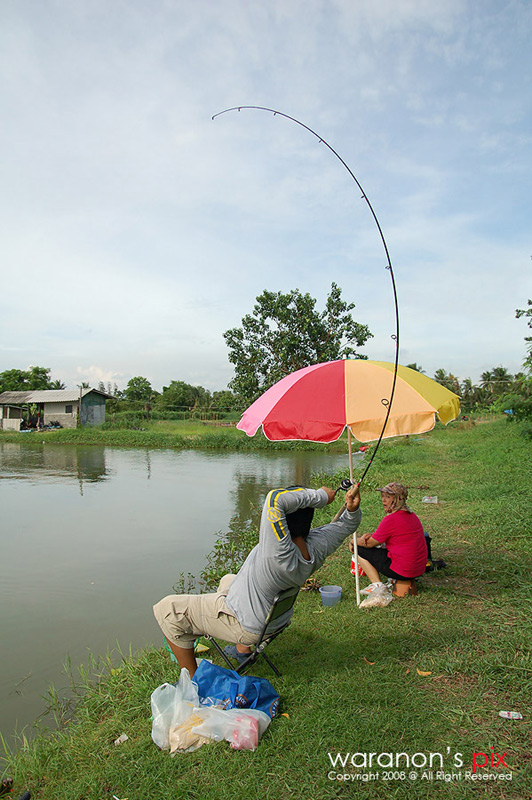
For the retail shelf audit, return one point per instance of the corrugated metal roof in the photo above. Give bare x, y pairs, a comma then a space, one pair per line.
47, 396
54, 396
14, 397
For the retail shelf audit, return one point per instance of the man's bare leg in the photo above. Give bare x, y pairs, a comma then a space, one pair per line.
185, 657
242, 648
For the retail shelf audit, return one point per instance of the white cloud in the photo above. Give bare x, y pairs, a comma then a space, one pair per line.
136, 230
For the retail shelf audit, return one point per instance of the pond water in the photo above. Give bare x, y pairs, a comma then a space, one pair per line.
91, 538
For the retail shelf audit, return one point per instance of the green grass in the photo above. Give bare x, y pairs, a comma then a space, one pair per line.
351, 678
182, 435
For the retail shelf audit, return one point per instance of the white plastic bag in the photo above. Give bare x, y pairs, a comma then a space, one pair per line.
170, 706
380, 596
241, 727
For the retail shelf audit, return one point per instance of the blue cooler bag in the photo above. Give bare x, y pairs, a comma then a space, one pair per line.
225, 687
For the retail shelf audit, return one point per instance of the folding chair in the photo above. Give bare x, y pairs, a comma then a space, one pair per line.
282, 603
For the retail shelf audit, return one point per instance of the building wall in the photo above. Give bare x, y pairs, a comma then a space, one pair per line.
10, 418
92, 409
10, 424
56, 412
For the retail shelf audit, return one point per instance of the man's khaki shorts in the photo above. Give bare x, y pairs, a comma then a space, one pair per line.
184, 617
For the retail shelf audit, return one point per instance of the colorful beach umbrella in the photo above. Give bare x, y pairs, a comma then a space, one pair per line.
317, 403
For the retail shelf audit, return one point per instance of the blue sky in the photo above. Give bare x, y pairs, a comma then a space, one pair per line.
135, 230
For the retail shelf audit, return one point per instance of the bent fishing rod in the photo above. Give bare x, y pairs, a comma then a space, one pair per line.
387, 402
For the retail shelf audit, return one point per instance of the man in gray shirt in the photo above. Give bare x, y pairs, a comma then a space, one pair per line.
288, 552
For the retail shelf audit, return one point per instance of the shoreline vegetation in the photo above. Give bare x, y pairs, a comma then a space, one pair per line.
182, 435
423, 679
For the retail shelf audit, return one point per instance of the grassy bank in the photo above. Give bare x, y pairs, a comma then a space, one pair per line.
182, 435
426, 675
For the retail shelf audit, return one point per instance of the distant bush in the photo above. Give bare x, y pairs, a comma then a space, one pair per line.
519, 406
119, 409
124, 419
193, 414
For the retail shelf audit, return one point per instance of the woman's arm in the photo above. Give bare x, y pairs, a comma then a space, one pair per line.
366, 540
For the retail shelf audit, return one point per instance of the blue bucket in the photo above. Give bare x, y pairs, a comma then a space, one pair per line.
330, 595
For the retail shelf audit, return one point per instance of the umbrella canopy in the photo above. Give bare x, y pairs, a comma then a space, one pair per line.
317, 403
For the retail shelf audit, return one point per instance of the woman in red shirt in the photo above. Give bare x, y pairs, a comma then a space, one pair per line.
404, 554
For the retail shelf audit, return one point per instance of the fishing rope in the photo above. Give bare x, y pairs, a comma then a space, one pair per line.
385, 401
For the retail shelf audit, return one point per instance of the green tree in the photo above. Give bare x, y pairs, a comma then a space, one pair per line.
117, 393
32, 379
448, 380
181, 396
226, 401
527, 312
473, 396
496, 381
203, 397
13, 380
286, 332
417, 367
38, 378
467, 390
519, 396
138, 390
522, 384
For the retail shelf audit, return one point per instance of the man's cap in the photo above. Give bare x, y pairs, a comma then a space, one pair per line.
395, 488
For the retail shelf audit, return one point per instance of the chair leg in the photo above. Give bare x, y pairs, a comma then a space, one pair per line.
253, 656
251, 660
247, 663
220, 651
272, 665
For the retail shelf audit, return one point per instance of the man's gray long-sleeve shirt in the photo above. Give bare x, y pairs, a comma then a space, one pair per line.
276, 563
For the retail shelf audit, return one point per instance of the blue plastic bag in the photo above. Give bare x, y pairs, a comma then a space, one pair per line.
225, 687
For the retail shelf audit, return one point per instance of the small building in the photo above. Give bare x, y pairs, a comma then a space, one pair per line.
45, 407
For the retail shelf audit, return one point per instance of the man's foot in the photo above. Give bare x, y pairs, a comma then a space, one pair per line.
231, 651
371, 588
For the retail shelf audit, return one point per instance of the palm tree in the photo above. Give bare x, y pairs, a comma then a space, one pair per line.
497, 380
448, 380
473, 395
467, 391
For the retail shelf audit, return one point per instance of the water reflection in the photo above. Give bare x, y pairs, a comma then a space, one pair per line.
271, 471
51, 462
148, 464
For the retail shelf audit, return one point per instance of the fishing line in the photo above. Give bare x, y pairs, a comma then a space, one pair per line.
385, 401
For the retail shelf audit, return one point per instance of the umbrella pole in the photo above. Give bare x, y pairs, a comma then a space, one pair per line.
355, 548
350, 448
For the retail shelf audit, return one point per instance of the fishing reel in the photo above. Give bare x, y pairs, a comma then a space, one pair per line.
345, 485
